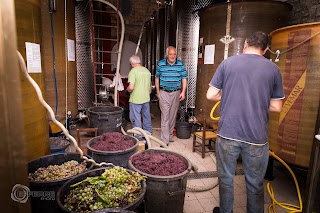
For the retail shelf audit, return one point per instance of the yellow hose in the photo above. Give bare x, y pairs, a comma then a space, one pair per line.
274, 203
290, 207
212, 110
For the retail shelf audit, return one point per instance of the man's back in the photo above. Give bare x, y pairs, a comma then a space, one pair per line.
248, 82
141, 78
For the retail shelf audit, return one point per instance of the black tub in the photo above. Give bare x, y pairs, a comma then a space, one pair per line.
65, 189
164, 193
113, 211
118, 158
105, 118
43, 193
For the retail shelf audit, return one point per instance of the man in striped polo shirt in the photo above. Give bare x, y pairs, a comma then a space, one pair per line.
171, 85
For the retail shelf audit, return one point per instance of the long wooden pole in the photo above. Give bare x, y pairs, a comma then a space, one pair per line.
13, 165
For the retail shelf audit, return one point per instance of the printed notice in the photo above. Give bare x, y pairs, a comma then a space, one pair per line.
201, 40
71, 51
209, 54
33, 57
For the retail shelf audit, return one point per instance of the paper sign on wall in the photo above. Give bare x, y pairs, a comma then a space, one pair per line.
33, 57
200, 48
209, 54
71, 50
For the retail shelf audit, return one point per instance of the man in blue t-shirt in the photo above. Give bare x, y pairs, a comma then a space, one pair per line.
171, 85
249, 87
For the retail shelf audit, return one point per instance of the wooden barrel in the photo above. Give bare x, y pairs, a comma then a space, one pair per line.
245, 17
291, 133
65, 72
28, 22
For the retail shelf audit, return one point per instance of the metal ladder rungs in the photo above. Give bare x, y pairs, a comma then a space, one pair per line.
96, 62
106, 39
102, 51
104, 11
110, 26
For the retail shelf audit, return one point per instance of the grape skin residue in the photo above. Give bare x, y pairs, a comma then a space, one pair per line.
113, 141
161, 164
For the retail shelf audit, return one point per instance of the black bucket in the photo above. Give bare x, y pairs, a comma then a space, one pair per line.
65, 189
43, 193
105, 118
58, 145
165, 193
183, 130
118, 158
113, 211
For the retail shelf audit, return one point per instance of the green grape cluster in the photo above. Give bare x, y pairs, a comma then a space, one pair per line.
115, 188
57, 172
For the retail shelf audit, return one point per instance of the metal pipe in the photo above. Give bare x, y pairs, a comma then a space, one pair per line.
138, 45
119, 50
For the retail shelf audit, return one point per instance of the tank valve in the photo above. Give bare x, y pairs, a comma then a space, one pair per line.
82, 115
277, 57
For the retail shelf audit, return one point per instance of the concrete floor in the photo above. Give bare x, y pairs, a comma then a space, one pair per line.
205, 201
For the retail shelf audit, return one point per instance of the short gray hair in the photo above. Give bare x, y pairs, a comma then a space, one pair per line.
170, 47
135, 59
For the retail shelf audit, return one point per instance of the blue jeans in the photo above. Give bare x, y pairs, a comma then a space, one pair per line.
136, 110
254, 162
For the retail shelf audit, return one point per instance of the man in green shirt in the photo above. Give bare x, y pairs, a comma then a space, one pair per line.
139, 80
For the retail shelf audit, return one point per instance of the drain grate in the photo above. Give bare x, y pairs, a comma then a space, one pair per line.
211, 174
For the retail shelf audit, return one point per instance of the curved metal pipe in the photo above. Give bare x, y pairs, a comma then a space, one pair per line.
119, 50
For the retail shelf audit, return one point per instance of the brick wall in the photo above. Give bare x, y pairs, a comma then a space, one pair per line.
304, 11
141, 10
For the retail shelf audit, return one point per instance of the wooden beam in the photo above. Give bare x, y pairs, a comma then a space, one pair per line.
13, 166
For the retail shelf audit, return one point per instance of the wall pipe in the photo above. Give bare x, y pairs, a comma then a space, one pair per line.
52, 7
138, 45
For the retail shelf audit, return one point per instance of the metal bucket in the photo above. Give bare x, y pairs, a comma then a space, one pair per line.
164, 193
105, 118
291, 133
245, 17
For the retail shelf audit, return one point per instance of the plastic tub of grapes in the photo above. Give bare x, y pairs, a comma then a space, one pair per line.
48, 173
113, 211
103, 189
112, 147
166, 173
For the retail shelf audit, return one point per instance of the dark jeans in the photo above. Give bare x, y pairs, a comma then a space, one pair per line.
254, 162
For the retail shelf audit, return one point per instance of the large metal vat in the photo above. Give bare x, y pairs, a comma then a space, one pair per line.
65, 72
291, 133
28, 18
85, 84
244, 18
